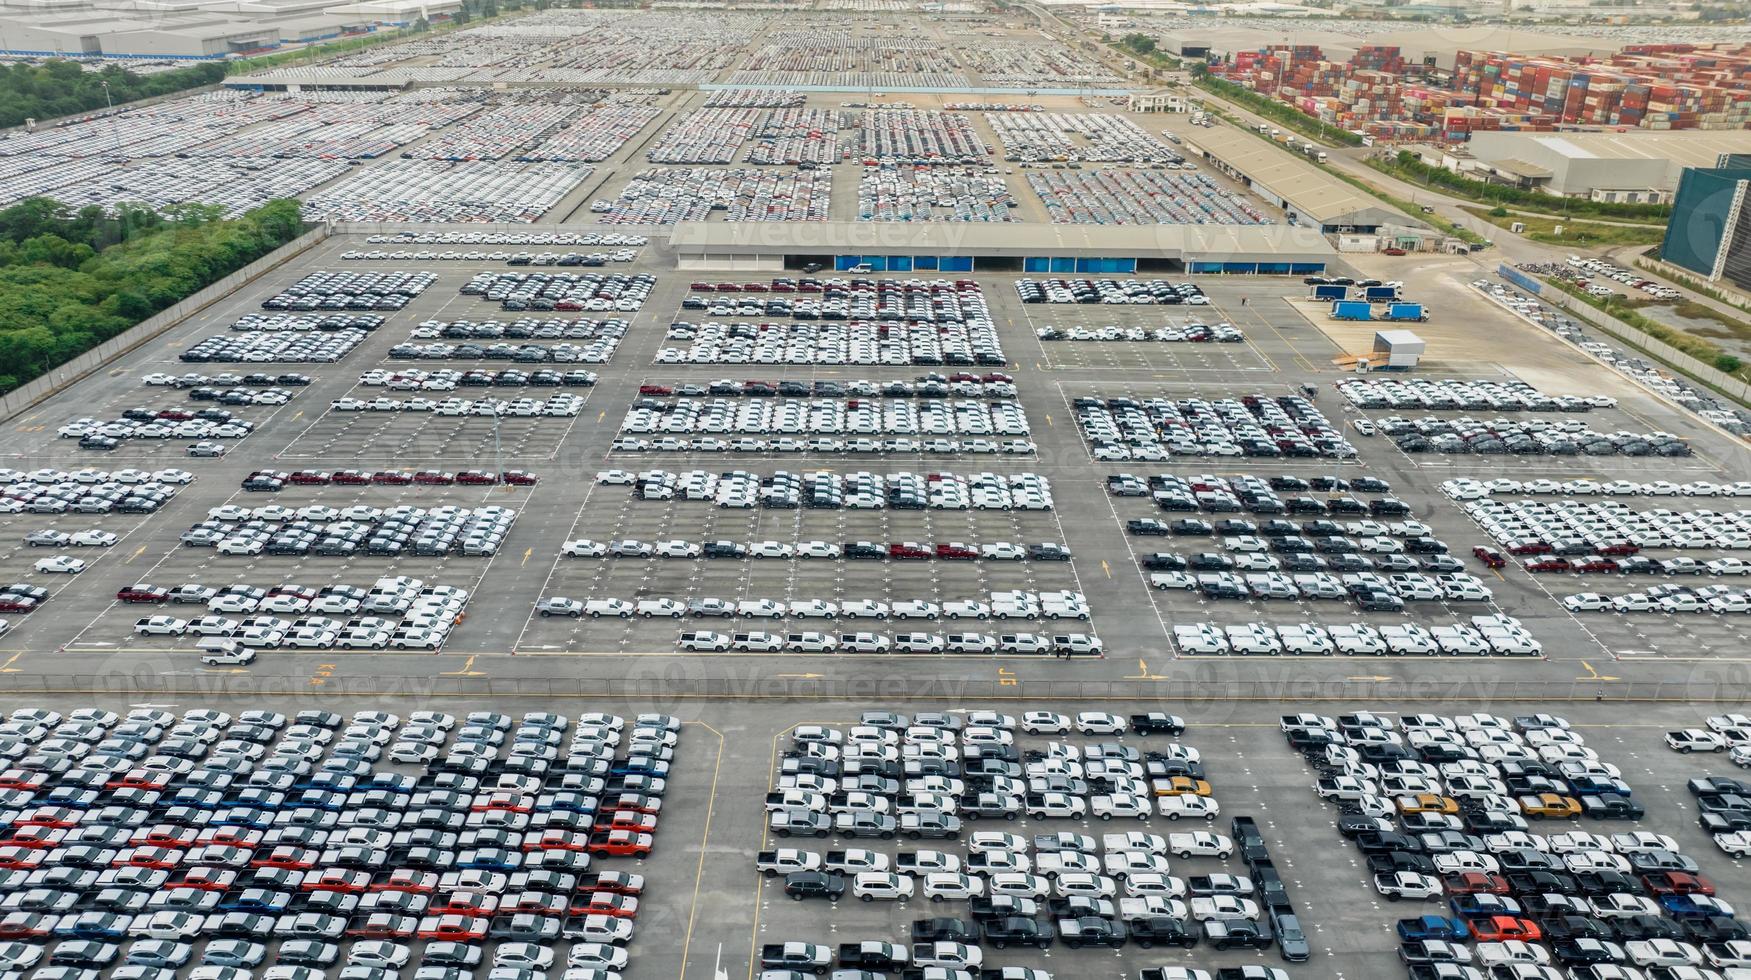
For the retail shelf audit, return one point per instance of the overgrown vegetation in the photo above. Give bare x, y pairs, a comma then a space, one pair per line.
1578, 233
61, 88
1281, 112
69, 280
1409, 167
1615, 307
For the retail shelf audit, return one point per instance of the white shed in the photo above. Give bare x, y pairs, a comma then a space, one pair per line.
1396, 350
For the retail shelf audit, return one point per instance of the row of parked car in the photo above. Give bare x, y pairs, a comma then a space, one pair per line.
963, 384
303, 322
274, 347
159, 424
1605, 527
860, 490
1250, 425
322, 530
489, 851
1191, 333
91, 492
562, 405
1432, 434
1004, 605
824, 416
599, 351
1110, 291
225, 380
446, 379
413, 617
811, 641
850, 550
1487, 394
593, 291
521, 328
972, 342
343, 290
1729, 733
270, 481
1482, 636
1245, 493
1466, 488
1711, 600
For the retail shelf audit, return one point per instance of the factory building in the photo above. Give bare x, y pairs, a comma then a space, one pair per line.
1311, 196
1628, 167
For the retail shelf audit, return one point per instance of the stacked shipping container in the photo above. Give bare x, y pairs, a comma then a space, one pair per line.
1648, 86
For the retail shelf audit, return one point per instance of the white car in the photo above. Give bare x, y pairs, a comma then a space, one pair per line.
60, 565
817, 549
871, 885
677, 549
771, 549
584, 548
92, 539
1199, 844
650, 608
1099, 723
597, 608
1696, 740
1044, 723
1662, 952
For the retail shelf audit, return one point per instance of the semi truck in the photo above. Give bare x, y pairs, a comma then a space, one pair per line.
1352, 309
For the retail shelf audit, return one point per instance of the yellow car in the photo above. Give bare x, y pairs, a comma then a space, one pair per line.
1550, 805
1181, 786
1428, 803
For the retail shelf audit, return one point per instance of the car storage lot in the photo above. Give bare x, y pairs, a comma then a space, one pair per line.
705, 906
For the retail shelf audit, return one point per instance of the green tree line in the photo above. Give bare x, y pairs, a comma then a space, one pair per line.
70, 280
61, 88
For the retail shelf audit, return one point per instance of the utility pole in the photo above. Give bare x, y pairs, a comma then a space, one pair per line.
115, 134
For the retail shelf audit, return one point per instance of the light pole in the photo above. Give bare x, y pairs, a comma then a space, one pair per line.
110, 106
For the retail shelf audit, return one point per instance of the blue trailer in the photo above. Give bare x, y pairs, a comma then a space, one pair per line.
1331, 292
1406, 311
1352, 309
1382, 294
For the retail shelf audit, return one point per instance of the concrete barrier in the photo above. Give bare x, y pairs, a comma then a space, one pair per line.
21, 399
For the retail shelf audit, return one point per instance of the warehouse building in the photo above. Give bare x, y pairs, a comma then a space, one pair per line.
1311, 197
1629, 167
1042, 249
1709, 233
192, 29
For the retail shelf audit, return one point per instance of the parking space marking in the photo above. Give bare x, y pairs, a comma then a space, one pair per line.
704, 845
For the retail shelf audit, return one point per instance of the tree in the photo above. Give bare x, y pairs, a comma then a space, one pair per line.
1727, 363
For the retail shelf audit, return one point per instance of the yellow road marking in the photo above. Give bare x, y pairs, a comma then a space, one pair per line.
7, 668
1106, 568
137, 553
526, 553
466, 670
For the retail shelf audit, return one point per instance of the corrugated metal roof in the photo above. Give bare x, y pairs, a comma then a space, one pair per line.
1310, 189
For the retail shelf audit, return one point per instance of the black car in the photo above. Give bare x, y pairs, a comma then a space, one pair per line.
943, 929
1237, 934
814, 884
1017, 931
1092, 930
1162, 930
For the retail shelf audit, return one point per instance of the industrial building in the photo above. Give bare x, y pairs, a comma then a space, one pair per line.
193, 29
1629, 167
1709, 233
1310, 196
1043, 249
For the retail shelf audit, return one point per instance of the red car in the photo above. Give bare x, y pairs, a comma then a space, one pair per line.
1596, 564
337, 880
655, 390
31, 781
606, 903
25, 925
49, 816
230, 836
36, 838
1551, 564
557, 840
350, 478
636, 803
434, 478
408, 880
132, 779
618, 882
143, 593
518, 478
702, 287
476, 478
288, 857
1530, 548
206, 879
908, 549
382, 925
1620, 548
1489, 556
20, 858
620, 843
1501, 928
1678, 883
164, 835
502, 800
459, 928
467, 903
394, 478
147, 857
1475, 883
310, 478
17, 604
644, 823
955, 551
